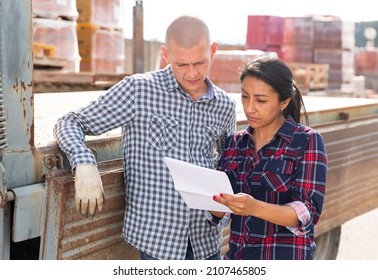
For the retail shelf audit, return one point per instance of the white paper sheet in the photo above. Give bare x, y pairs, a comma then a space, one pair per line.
197, 185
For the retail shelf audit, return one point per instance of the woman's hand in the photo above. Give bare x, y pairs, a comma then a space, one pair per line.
241, 204
245, 205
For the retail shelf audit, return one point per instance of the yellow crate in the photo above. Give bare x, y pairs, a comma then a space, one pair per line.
40, 49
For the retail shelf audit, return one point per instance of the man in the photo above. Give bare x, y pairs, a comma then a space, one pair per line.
175, 112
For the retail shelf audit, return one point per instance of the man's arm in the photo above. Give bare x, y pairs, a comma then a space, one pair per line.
113, 109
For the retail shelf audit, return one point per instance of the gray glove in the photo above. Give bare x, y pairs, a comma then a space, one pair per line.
89, 192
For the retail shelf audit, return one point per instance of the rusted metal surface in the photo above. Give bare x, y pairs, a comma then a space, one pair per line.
352, 181
50, 157
27, 212
68, 234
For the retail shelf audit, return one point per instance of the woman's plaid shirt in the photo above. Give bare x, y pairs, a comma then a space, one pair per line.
290, 169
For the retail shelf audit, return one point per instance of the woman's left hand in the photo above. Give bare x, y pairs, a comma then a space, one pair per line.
241, 204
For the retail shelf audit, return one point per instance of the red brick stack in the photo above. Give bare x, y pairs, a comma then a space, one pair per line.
226, 65
298, 37
334, 44
309, 40
265, 33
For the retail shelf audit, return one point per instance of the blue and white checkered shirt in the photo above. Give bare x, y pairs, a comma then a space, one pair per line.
158, 119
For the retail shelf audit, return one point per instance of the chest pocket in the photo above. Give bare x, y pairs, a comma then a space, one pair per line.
278, 175
210, 135
163, 132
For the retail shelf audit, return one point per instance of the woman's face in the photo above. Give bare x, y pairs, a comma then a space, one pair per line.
261, 104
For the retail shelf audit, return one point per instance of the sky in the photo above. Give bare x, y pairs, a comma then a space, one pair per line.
227, 19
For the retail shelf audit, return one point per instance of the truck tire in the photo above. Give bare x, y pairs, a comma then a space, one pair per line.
327, 244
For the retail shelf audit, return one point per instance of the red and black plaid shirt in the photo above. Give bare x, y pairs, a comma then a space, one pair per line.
290, 169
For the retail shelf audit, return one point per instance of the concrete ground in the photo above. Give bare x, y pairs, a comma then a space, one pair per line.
359, 238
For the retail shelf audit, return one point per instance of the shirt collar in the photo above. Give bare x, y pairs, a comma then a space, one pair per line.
286, 131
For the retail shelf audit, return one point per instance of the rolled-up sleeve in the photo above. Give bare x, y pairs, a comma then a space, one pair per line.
303, 217
310, 183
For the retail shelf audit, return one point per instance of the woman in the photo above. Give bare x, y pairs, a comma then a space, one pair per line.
277, 168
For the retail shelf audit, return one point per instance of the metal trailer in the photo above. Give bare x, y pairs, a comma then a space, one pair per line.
38, 219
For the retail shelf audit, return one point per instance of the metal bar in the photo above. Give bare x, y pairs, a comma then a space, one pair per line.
138, 40
5, 209
17, 66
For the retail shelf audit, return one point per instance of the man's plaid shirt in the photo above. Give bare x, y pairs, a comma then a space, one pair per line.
158, 119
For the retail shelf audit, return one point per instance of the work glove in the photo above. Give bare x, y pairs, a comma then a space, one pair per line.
89, 192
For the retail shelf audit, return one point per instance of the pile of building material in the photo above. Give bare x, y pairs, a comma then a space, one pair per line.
324, 43
54, 26
366, 57
100, 35
87, 34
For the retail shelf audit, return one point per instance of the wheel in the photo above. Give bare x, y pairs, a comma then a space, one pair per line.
327, 244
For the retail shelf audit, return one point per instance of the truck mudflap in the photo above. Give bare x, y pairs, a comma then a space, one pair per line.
67, 234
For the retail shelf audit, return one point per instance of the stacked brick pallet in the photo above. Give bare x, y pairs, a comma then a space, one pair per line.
226, 65
334, 44
366, 54
54, 26
322, 45
100, 36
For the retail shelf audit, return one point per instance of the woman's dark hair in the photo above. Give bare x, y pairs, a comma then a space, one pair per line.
278, 75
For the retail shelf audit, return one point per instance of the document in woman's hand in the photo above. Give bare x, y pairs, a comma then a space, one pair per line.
197, 185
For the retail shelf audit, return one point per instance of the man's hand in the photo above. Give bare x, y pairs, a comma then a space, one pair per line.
89, 192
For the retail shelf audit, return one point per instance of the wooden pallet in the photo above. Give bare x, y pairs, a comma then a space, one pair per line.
313, 76
59, 81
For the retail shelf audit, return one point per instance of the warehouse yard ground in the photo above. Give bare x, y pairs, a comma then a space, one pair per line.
353, 245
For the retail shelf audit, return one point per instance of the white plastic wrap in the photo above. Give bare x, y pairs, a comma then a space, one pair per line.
61, 34
107, 13
102, 50
55, 9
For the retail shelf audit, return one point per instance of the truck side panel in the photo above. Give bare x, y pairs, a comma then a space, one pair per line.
352, 182
67, 234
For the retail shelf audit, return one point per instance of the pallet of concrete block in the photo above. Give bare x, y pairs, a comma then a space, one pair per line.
53, 9
44, 57
312, 75
102, 50
102, 13
62, 35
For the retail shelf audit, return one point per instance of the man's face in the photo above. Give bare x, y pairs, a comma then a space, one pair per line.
190, 66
